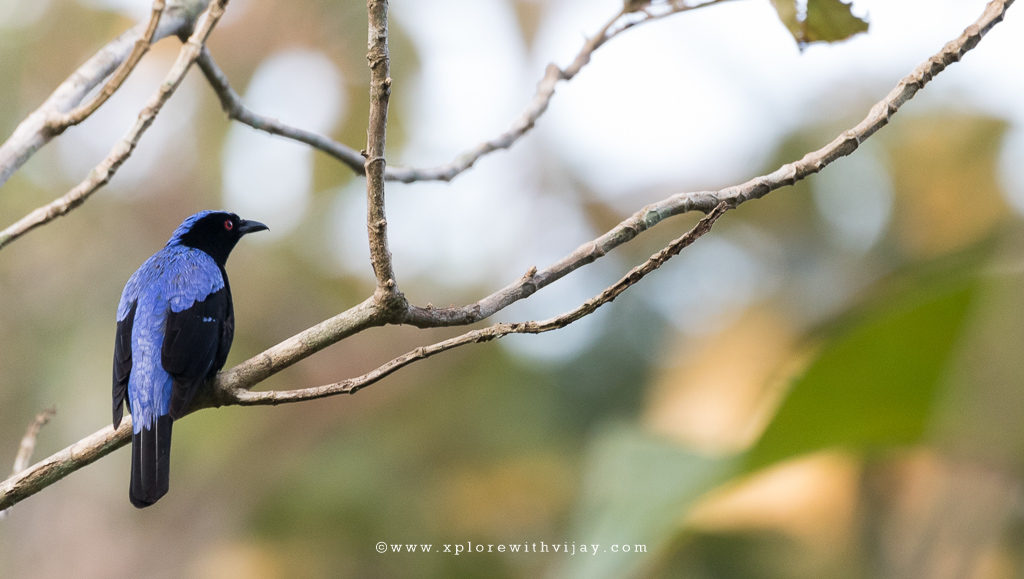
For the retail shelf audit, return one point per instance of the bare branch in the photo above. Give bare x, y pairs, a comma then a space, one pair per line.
64, 462
620, 22
230, 386
380, 92
302, 345
102, 173
848, 141
36, 130
353, 385
58, 123
236, 110
585, 254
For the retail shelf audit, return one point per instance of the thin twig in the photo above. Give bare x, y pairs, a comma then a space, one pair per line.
236, 110
102, 173
33, 132
535, 279
848, 141
353, 385
58, 122
28, 444
617, 24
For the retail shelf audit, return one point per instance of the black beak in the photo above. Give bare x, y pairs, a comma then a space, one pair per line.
247, 226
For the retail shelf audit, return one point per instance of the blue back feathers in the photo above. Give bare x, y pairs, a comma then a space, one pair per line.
172, 280
181, 275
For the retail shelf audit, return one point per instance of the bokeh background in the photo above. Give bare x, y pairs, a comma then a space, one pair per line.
829, 384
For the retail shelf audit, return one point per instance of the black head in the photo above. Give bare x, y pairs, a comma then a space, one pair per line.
214, 232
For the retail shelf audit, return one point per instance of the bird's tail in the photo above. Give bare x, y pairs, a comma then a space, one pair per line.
151, 461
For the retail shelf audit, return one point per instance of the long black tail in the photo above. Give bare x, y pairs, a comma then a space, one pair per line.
151, 462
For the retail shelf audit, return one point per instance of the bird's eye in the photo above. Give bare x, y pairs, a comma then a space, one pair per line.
229, 225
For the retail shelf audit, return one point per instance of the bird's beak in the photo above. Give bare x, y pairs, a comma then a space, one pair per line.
247, 226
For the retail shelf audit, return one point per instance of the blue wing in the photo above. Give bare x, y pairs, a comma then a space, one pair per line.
144, 277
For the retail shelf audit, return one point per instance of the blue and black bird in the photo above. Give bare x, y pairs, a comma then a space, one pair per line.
175, 323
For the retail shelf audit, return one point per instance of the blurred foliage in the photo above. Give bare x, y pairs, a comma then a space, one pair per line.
948, 213
820, 20
846, 398
857, 415
873, 385
635, 489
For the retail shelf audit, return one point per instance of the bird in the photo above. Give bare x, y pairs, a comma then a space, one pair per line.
175, 324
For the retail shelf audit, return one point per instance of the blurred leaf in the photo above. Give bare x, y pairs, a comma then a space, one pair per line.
980, 412
831, 20
945, 173
636, 487
740, 554
825, 21
876, 382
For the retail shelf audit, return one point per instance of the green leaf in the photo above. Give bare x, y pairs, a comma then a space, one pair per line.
873, 385
825, 21
636, 487
830, 21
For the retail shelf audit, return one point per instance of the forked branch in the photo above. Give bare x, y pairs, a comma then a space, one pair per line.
47, 121
106, 168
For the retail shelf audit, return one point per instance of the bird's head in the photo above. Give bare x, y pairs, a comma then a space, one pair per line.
214, 232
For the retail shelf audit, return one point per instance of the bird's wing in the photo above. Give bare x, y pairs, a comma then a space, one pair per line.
122, 363
192, 344
123, 337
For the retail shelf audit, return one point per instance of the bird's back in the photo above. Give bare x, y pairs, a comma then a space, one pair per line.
172, 280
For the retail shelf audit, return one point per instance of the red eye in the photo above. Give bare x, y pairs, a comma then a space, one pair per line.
229, 225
